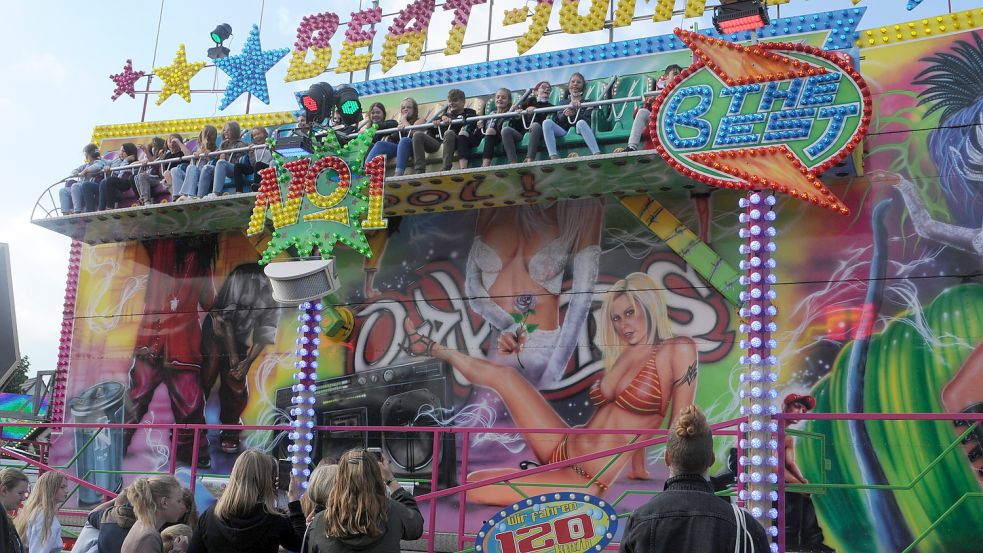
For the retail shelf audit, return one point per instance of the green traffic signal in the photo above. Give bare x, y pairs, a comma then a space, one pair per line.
349, 107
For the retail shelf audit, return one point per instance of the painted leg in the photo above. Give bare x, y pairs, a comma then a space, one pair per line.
964, 394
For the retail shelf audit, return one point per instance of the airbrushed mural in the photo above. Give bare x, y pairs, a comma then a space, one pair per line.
575, 314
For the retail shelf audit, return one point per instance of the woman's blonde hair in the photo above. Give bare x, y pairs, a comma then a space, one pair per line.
318, 487
145, 493
40, 502
645, 297
207, 139
171, 533
250, 482
416, 109
357, 504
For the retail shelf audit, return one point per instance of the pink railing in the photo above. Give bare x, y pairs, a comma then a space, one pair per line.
720, 429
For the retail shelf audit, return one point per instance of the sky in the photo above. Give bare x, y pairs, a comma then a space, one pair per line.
59, 55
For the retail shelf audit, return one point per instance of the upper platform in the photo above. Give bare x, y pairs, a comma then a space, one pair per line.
614, 174
625, 173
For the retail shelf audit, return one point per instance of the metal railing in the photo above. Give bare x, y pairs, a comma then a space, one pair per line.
439, 434
463, 537
41, 211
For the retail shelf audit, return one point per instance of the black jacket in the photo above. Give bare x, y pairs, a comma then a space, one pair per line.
583, 114
688, 517
260, 532
403, 522
519, 123
463, 114
391, 137
9, 540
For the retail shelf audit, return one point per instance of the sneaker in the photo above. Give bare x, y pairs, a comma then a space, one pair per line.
229, 443
399, 172
573, 154
554, 156
211, 195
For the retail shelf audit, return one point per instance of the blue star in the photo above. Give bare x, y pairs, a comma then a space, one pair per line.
247, 71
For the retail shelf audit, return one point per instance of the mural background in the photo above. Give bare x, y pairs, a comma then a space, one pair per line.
926, 326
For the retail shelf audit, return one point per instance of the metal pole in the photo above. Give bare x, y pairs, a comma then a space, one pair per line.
759, 471
491, 11
302, 434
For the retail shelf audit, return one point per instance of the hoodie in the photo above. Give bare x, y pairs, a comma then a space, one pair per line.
258, 532
403, 522
114, 524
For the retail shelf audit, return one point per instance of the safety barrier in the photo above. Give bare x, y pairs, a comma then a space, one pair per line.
726, 429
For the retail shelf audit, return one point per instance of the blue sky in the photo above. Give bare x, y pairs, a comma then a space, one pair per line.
56, 88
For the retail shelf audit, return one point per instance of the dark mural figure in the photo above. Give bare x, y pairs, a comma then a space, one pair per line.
240, 325
167, 351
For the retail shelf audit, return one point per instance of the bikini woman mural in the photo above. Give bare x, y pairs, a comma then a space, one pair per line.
650, 375
516, 267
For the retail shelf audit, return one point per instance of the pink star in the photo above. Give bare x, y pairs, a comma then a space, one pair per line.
125, 80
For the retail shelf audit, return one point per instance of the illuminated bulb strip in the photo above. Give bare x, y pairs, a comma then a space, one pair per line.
758, 463
841, 24
301, 434
57, 408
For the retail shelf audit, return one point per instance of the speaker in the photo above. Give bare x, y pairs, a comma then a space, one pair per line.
294, 282
414, 394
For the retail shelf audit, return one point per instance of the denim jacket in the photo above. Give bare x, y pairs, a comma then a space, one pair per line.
688, 517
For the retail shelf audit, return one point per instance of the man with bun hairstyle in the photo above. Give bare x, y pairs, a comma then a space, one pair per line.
802, 530
687, 516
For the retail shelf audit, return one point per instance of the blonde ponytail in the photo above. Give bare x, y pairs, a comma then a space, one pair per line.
145, 493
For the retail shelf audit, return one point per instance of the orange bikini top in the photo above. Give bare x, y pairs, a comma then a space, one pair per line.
642, 397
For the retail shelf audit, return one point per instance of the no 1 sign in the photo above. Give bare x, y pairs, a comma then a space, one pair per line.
554, 523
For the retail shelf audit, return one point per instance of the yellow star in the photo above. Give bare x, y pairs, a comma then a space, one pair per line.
177, 76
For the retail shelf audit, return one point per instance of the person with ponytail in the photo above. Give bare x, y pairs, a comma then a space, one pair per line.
687, 516
13, 490
156, 501
37, 522
245, 517
367, 510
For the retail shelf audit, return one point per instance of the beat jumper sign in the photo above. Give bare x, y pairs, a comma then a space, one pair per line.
315, 202
772, 115
552, 523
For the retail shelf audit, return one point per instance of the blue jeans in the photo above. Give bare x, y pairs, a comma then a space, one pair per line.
224, 169
551, 130
403, 152
197, 180
80, 196
384, 147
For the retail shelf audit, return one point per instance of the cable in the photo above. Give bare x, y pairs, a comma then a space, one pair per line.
409, 301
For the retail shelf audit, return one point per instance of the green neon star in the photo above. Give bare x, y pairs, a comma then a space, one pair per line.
311, 236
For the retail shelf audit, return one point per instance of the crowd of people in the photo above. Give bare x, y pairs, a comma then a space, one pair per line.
167, 167
351, 504
205, 167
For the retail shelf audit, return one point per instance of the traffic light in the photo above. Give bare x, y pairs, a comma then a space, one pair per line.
349, 105
318, 102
